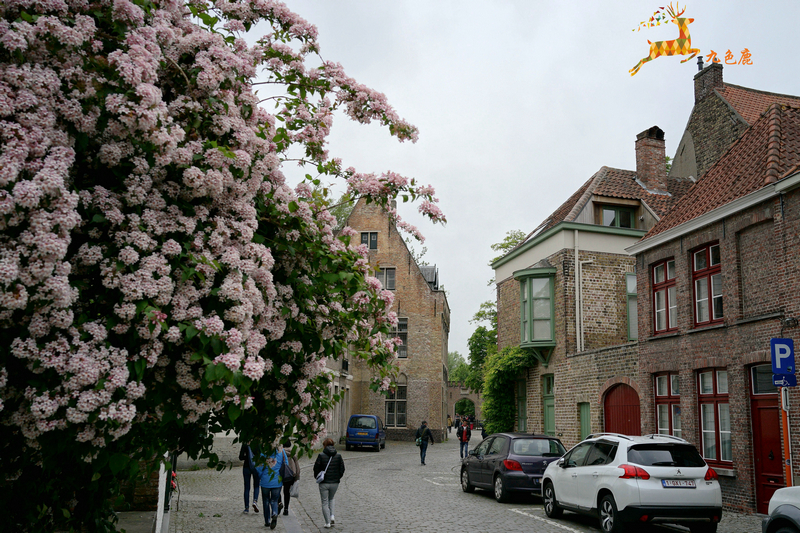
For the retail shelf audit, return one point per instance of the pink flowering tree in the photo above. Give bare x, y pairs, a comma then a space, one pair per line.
159, 279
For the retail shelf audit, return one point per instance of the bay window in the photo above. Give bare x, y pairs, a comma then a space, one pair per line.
536, 306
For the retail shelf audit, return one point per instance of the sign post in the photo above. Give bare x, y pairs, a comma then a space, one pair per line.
783, 376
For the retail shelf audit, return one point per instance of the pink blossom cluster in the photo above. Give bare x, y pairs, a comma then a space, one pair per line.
150, 240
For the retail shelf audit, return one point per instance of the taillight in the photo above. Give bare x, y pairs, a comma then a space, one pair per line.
711, 474
634, 472
511, 464
377, 436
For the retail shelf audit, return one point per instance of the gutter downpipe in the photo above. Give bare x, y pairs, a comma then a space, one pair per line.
578, 327
580, 289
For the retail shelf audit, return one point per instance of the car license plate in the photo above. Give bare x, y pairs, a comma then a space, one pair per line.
678, 483
362, 433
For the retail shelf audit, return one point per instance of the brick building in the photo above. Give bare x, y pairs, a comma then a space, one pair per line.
568, 295
721, 114
718, 277
424, 325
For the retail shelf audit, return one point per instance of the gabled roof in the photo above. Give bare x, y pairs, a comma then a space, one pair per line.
615, 183
750, 103
769, 149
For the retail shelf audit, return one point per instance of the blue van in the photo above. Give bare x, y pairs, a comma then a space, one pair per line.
365, 430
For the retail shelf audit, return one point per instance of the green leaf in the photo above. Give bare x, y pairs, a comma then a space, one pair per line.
96, 476
118, 462
98, 218
234, 411
191, 331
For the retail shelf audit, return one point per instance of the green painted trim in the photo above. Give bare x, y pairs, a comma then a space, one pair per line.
541, 352
562, 226
534, 272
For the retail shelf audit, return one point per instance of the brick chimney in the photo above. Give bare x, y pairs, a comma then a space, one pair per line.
707, 80
651, 162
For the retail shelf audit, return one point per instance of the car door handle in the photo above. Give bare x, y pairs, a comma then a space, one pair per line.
574, 475
595, 474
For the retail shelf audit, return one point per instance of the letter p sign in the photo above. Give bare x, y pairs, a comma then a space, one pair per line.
782, 351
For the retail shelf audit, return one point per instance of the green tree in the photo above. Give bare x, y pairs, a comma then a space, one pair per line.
512, 239
456, 367
465, 407
482, 343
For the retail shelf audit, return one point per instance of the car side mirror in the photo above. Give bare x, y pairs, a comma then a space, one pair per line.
473, 452
561, 463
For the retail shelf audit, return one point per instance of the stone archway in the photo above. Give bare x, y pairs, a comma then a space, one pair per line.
456, 391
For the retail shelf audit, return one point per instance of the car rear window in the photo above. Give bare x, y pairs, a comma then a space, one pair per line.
665, 455
538, 447
363, 422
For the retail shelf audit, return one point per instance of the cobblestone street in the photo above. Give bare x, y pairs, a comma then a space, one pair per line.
386, 491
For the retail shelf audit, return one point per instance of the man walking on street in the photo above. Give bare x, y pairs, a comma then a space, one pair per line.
425, 434
464, 434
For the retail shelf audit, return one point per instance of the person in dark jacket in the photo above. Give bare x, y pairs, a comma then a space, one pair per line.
287, 486
464, 434
249, 472
333, 465
425, 434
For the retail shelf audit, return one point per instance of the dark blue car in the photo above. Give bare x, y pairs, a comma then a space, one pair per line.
365, 430
509, 462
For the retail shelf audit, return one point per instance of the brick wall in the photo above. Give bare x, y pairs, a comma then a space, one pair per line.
761, 282
608, 357
428, 317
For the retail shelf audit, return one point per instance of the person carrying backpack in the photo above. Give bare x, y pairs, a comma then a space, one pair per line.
464, 434
424, 435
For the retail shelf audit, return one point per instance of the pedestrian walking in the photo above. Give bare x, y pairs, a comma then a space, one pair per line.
270, 472
333, 465
458, 422
425, 435
287, 483
464, 434
449, 424
249, 473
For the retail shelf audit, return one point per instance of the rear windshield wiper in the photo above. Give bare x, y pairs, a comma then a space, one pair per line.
665, 463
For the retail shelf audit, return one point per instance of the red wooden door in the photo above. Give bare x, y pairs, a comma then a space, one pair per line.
621, 409
766, 449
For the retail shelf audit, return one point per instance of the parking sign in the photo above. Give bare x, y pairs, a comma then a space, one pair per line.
782, 351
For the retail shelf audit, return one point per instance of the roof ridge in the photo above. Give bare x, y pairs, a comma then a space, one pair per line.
773, 143
587, 194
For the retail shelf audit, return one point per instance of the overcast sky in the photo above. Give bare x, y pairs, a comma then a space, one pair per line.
518, 103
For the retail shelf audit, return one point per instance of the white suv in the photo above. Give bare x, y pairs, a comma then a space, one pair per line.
623, 479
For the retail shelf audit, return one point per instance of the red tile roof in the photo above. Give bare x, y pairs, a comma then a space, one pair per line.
770, 148
751, 104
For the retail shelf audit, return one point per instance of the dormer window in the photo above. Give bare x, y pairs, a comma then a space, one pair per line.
618, 216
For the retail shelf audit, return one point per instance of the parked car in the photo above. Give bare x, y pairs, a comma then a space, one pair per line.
509, 462
623, 479
784, 512
365, 430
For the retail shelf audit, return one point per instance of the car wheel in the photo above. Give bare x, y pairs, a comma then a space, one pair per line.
500, 492
609, 516
378, 448
466, 486
712, 528
348, 447
786, 529
551, 508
